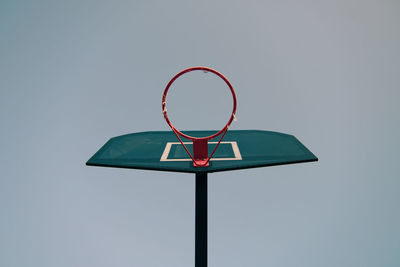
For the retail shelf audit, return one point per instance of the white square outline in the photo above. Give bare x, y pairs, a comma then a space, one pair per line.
235, 148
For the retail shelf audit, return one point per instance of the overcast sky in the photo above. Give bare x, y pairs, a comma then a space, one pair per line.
75, 73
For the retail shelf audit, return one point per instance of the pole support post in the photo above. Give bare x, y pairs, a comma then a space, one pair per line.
201, 220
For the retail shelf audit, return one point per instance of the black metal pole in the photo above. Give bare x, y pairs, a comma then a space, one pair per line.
201, 220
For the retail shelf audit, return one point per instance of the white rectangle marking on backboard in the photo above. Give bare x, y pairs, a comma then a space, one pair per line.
235, 148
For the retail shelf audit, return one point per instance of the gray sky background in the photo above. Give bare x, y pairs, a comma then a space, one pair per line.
75, 73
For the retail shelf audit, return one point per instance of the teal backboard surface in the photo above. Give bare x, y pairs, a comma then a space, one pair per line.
240, 149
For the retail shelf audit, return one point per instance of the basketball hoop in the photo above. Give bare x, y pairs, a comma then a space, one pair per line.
200, 155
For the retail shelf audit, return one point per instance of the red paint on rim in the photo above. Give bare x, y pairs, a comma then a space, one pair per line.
164, 102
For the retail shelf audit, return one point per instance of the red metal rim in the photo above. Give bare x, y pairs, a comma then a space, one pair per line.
164, 102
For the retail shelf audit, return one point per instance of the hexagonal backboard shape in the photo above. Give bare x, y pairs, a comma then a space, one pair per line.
240, 149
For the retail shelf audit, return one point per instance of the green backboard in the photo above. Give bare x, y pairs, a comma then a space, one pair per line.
240, 149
